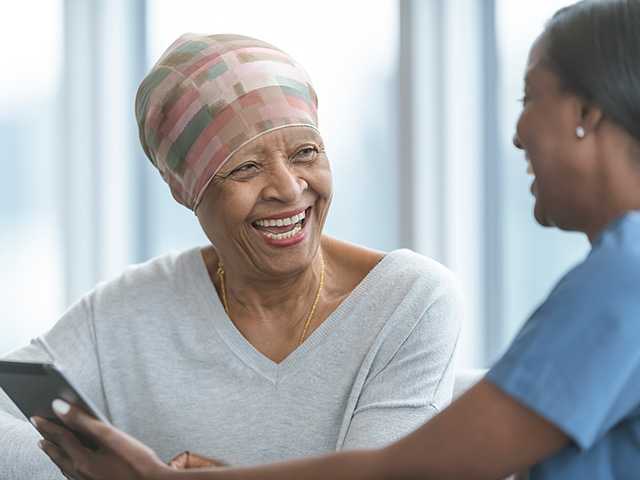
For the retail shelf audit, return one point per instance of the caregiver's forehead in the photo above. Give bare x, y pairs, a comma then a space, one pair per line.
535, 58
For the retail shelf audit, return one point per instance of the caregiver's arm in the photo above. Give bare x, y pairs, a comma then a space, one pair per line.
71, 341
483, 435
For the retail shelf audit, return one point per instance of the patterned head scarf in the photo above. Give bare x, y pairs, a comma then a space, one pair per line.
210, 95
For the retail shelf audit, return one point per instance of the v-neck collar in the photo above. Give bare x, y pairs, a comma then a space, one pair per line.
241, 347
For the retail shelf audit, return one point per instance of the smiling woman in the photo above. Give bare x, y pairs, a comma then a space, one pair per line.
274, 341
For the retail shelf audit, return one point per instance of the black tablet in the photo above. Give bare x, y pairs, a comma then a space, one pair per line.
34, 386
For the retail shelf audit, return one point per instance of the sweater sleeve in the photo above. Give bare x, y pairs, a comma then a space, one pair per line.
415, 384
72, 342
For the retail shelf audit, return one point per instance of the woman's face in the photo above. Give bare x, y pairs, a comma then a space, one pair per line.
563, 165
266, 207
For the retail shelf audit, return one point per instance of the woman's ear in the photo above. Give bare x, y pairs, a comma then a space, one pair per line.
590, 117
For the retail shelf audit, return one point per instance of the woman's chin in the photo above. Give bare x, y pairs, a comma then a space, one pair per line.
542, 216
288, 255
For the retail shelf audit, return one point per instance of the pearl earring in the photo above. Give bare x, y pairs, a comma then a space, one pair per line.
580, 132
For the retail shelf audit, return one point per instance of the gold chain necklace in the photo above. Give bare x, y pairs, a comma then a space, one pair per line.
220, 274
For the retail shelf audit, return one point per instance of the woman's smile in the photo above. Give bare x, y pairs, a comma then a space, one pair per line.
284, 229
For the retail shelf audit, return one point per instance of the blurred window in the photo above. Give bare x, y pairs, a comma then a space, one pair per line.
31, 254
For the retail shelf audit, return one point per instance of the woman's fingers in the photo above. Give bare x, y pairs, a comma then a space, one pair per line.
79, 421
57, 456
64, 439
118, 456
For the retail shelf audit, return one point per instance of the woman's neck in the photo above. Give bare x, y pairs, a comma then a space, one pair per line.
617, 188
263, 297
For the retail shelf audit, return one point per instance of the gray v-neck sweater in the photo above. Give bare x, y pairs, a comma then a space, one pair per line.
157, 354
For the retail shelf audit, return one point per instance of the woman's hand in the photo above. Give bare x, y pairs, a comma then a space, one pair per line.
188, 460
118, 456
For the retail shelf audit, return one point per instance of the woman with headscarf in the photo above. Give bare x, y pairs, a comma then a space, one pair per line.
565, 397
275, 341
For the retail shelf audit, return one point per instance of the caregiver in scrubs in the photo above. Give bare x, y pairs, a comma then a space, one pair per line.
564, 400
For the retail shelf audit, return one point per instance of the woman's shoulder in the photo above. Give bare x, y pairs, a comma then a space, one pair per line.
353, 260
404, 269
404, 262
404, 295
418, 279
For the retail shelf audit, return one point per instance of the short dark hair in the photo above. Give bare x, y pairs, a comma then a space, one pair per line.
594, 48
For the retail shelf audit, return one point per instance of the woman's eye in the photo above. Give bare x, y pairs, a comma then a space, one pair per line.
306, 153
523, 100
246, 169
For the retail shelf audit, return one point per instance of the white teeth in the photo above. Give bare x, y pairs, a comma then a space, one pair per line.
281, 222
283, 236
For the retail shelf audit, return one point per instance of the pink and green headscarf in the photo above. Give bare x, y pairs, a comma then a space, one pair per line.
210, 95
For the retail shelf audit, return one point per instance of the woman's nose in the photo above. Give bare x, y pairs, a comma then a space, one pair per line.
516, 142
284, 184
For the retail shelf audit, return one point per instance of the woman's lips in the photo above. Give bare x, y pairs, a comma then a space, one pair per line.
285, 235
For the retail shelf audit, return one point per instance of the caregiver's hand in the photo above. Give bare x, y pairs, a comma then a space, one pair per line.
118, 455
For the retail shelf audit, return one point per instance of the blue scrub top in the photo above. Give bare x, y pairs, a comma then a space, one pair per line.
576, 361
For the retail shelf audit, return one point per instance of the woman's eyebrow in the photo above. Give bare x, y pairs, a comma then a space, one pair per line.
296, 142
